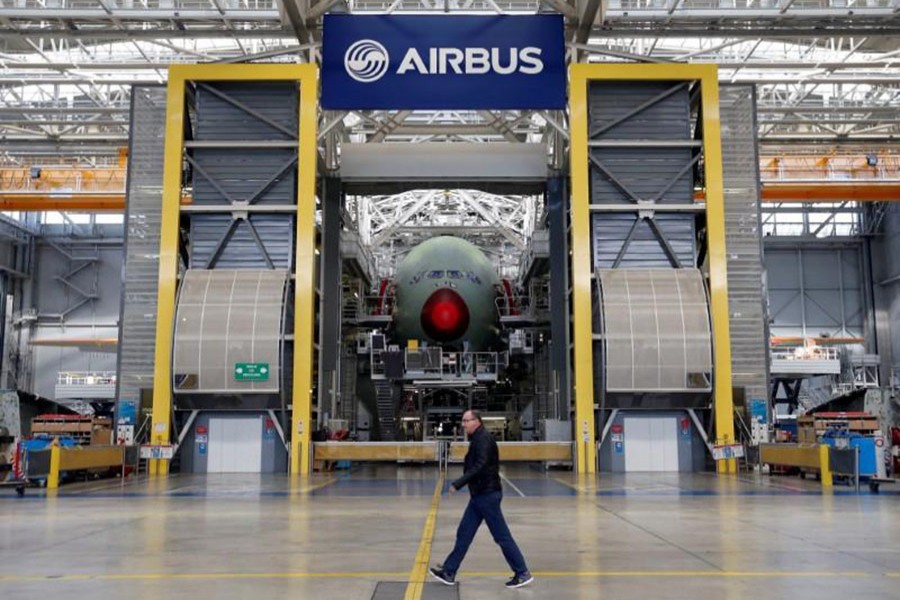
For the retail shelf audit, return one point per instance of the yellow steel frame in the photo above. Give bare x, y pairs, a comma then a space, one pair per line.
76, 459
811, 456
579, 77
376, 451
519, 451
305, 289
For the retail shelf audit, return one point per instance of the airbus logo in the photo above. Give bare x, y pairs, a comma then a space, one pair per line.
473, 61
366, 61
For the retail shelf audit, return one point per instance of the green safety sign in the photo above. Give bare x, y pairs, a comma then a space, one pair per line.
251, 371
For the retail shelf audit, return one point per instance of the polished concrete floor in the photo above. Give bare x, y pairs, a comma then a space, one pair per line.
342, 535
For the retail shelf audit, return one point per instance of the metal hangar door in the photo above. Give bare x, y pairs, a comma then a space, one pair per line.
652, 444
235, 445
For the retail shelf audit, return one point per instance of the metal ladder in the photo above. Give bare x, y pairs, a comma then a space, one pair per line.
384, 400
348, 390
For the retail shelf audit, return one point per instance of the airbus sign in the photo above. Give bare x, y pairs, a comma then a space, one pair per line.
472, 61
418, 62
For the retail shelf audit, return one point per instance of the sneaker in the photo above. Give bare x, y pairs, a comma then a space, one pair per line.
440, 575
520, 580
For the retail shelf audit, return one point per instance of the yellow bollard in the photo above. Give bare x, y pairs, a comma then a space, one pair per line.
825, 465
53, 475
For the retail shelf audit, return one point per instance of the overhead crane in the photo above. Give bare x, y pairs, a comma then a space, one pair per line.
825, 178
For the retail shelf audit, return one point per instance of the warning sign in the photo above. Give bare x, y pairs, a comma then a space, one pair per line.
728, 451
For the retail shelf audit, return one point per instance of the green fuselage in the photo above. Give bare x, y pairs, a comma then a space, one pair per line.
440, 268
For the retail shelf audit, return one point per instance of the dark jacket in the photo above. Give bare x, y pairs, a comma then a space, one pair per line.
482, 467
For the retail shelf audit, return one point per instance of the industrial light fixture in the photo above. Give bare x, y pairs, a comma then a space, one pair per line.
872, 160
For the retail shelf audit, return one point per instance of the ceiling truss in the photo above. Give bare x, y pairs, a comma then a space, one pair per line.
827, 71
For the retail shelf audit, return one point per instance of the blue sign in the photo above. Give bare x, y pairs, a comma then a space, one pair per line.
758, 411
127, 410
443, 62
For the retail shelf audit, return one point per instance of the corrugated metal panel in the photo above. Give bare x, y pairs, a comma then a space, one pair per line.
218, 119
137, 341
241, 173
255, 113
276, 232
646, 172
746, 291
815, 291
669, 118
644, 250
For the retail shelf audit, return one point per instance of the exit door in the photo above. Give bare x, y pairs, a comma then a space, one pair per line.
235, 445
651, 445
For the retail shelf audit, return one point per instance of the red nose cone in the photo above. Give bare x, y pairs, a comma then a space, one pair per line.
445, 316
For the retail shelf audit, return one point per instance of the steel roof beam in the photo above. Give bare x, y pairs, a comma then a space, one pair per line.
762, 64
295, 14
797, 30
139, 14
589, 12
91, 32
94, 81
849, 110
36, 110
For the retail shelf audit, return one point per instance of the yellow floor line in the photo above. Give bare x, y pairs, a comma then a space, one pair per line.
307, 489
710, 574
586, 488
567, 484
423, 556
157, 576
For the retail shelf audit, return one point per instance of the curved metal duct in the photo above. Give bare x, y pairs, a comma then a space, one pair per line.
656, 331
225, 320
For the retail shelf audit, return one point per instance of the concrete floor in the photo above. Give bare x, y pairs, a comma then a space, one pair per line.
338, 536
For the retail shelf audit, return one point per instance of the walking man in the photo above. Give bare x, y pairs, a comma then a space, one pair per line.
482, 475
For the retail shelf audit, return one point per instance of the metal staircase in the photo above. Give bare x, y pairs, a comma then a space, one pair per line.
80, 260
348, 390
744, 436
142, 436
813, 395
350, 305
384, 400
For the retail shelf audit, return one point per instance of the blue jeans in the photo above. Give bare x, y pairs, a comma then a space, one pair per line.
485, 507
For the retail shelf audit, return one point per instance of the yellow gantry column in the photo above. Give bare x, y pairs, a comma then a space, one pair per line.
307, 77
718, 273
305, 276
168, 266
582, 326
707, 75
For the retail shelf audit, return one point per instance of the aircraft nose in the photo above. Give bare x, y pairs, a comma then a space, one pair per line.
445, 316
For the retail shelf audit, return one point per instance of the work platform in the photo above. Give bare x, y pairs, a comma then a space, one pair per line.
341, 534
